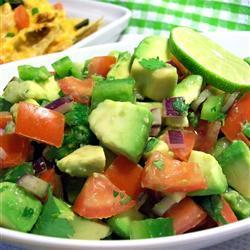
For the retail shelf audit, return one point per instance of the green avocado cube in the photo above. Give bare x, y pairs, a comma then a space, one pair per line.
235, 163
120, 224
83, 162
216, 180
19, 210
151, 228
117, 90
122, 127
238, 203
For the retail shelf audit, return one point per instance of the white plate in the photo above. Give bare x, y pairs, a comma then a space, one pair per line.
187, 241
115, 20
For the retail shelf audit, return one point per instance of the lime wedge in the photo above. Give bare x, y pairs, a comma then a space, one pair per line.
202, 56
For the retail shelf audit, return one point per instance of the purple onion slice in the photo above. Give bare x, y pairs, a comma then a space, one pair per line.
176, 138
62, 104
168, 107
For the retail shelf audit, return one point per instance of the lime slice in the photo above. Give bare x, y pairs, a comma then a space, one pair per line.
202, 56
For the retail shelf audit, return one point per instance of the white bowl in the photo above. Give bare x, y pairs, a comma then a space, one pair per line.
239, 44
115, 20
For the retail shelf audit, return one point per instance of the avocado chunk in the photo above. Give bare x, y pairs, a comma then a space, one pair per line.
83, 162
151, 228
154, 84
235, 163
19, 210
189, 88
51, 88
122, 127
89, 229
154, 145
216, 180
238, 203
220, 146
120, 224
121, 68
176, 121
117, 90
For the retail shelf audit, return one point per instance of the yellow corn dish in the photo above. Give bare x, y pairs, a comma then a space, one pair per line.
36, 27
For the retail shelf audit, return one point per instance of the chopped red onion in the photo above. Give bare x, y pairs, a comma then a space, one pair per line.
142, 197
39, 165
168, 108
62, 104
156, 112
229, 101
176, 138
34, 185
155, 130
3, 154
201, 98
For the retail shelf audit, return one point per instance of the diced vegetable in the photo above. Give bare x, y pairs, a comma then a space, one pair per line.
63, 66
100, 198
229, 101
101, 65
201, 98
166, 175
27, 72
174, 106
5, 117
62, 104
151, 228
79, 90
21, 17
33, 185
186, 215
122, 170
40, 124
39, 165
236, 116
15, 150
4, 105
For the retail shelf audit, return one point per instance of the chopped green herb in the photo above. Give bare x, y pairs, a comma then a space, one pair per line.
122, 195
10, 128
115, 193
151, 144
180, 105
49, 222
246, 129
125, 200
193, 119
28, 212
34, 11
152, 63
4, 105
159, 164
10, 34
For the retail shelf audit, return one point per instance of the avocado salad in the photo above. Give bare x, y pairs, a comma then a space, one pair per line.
128, 145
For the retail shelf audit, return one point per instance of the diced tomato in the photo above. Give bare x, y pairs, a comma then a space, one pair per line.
99, 198
79, 90
5, 117
126, 175
21, 17
40, 124
186, 215
185, 150
14, 150
167, 175
181, 69
58, 6
54, 180
236, 117
101, 65
207, 135
227, 213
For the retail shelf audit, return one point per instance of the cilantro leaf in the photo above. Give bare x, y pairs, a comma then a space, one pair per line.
151, 144
152, 63
50, 223
115, 193
159, 164
125, 200
193, 119
180, 105
246, 129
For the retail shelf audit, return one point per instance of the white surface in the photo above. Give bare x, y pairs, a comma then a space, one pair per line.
194, 240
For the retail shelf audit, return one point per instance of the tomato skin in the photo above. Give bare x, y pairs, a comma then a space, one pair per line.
207, 134
17, 150
174, 176
236, 117
79, 90
5, 117
227, 213
101, 65
183, 152
97, 199
54, 180
122, 170
40, 124
186, 214
21, 17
